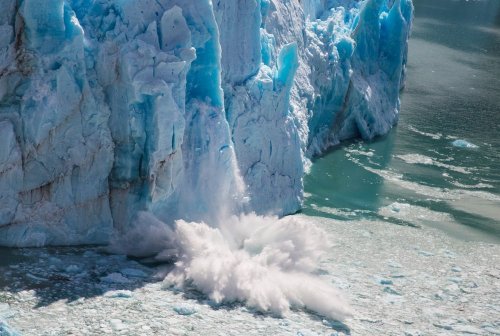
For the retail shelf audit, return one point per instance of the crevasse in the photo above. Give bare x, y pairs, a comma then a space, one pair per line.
109, 108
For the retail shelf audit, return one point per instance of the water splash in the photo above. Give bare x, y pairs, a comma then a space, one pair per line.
262, 261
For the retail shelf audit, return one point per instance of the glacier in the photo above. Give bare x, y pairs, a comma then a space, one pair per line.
113, 108
182, 129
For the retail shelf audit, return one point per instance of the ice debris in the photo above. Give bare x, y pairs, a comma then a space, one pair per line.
184, 309
124, 294
463, 144
5, 330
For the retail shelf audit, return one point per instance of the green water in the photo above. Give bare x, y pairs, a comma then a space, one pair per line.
414, 175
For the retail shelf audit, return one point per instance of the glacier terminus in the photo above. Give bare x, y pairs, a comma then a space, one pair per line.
178, 109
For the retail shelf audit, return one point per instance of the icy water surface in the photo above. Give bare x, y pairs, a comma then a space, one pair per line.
418, 175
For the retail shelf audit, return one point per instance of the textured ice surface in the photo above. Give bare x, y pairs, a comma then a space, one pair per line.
177, 107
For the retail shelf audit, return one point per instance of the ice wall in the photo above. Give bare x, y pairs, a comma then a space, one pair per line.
181, 108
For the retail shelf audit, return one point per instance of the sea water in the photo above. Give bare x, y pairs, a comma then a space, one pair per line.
440, 166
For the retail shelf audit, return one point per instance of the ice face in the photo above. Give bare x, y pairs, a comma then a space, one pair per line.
182, 109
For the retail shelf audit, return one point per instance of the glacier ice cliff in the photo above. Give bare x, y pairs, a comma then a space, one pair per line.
109, 108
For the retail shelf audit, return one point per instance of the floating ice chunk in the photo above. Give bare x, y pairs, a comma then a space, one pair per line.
463, 144
392, 291
305, 332
384, 281
125, 294
394, 264
468, 329
443, 325
5, 311
492, 330
452, 288
425, 253
117, 324
185, 309
5, 330
115, 278
456, 279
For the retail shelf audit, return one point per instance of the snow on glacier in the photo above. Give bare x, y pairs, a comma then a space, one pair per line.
124, 120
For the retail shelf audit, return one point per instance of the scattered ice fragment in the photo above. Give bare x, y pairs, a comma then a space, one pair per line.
492, 330
394, 264
443, 325
383, 281
456, 269
117, 324
369, 320
176, 331
5, 330
5, 312
455, 279
449, 254
467, 329
452, 288
115, 278
397, 275
426, 253
185, 310
366, 234
463, 144
392, 291
306, 332
125, 294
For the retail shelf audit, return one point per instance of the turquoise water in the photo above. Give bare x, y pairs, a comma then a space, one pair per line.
414, 175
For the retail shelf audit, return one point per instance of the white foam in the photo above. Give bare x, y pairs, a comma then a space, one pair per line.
414, 214
359, 152
436, 193
426, 160
435, 136
262, 261
472, 186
